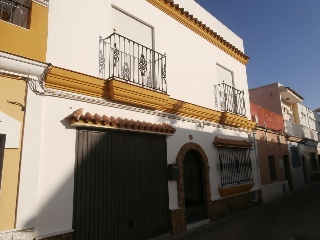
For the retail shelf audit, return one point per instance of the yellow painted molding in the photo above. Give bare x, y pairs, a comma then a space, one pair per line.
236, 121
191, 110
66, 80
135, 95
115, 90
235, 190
199, 28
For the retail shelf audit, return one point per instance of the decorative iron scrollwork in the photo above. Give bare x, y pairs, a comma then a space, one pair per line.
115, 55
149, 83
221, 165
164, 73
102, 61
126, 72
142, 65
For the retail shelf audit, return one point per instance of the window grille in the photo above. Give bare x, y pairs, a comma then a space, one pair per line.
234, 165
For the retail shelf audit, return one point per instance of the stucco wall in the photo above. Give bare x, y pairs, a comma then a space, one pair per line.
191, 64
57, 158
267, 144
268, 97
266, 117
11, 90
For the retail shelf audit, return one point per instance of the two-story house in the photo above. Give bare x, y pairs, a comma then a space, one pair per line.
139, 126
299, 123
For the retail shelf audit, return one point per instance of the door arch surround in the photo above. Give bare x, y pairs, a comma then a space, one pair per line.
205, 178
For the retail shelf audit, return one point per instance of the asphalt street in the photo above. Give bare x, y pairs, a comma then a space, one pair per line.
293, 217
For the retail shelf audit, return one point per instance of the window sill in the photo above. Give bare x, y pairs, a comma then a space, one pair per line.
235, 189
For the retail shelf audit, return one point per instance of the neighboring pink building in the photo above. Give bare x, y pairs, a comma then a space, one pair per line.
266, 118
271, 144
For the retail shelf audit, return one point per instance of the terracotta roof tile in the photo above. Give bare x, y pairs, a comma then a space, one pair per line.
117, 122
224, 142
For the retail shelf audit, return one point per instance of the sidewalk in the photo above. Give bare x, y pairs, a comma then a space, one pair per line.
293, 217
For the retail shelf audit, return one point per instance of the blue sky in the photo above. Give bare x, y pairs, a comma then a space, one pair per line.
282, 39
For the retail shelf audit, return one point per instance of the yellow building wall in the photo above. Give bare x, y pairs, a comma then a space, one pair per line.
29, 43
13, 90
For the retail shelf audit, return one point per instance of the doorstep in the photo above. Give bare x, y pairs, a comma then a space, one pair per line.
198, 224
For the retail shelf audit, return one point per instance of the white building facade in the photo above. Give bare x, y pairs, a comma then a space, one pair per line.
139, 126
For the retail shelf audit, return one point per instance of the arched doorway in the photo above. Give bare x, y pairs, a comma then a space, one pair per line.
193, 151
193, 187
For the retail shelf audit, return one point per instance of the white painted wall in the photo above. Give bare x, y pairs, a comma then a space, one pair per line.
274, 191
193, 7
54, 193
30, 158
74, 30
191, 60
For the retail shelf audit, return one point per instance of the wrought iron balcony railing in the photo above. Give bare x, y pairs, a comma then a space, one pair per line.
129, 61
229, 99
300, 131
14, 12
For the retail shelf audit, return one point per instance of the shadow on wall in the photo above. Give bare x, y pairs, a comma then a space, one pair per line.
274, 161
102, 192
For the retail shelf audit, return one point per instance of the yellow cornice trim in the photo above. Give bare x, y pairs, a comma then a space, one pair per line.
115, 90
181, 108
135, 95
235, 190
66, 80
199, 28
237, 121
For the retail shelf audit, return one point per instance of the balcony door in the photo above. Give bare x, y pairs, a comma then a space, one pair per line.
225, 76
228, 96
136, 62
132, 28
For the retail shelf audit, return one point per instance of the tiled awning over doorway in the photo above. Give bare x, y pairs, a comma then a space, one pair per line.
77, 118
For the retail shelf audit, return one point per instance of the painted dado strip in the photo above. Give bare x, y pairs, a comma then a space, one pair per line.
199, 28
114, 90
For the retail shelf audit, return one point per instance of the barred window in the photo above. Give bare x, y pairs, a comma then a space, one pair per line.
234, 165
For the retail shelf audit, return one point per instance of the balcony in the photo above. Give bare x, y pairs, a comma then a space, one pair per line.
15, 13
300, 131
229, 99
128, 61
